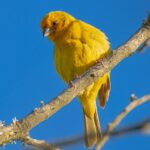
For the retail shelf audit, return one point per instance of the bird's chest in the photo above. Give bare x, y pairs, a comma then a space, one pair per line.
72, 59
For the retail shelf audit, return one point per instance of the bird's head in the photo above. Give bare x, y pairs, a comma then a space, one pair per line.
54, 23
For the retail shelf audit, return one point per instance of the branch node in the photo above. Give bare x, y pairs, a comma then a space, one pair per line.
92, 75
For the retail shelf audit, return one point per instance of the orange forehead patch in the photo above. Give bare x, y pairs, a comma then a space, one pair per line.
45, 23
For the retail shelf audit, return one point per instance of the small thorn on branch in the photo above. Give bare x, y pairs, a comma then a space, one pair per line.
147, 20
2, 123
14, 120
35, 109
42, 103
133, 97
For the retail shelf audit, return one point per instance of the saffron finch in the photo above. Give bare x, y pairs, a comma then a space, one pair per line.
77, 47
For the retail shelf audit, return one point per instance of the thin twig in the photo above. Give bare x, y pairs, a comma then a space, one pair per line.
119, 118
40, 144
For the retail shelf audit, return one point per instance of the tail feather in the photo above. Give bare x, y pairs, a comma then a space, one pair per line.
98, 126
92, 130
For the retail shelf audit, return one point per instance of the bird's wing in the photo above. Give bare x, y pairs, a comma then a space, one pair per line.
104, 90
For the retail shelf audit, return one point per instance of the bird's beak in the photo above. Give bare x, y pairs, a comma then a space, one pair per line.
47, 32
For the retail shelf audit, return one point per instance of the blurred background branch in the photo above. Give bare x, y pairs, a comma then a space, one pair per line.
139, 127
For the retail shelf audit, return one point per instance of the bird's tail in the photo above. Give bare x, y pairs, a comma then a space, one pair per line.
92, 129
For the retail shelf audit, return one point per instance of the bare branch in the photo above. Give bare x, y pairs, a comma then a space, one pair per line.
19, 129
40, 144
119, 118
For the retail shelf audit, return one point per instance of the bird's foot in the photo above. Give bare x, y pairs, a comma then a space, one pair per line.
71, 84
77, 77
100, 61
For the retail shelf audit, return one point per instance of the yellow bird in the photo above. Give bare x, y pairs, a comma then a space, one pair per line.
77, 47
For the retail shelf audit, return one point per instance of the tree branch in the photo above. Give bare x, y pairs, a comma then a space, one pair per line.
18, 130
119, 118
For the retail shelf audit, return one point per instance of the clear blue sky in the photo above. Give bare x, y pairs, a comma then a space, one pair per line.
28, 74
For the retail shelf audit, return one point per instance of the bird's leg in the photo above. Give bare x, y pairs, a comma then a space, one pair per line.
100, 61
70, 83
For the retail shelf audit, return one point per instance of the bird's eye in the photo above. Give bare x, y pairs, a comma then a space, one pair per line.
54, 23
